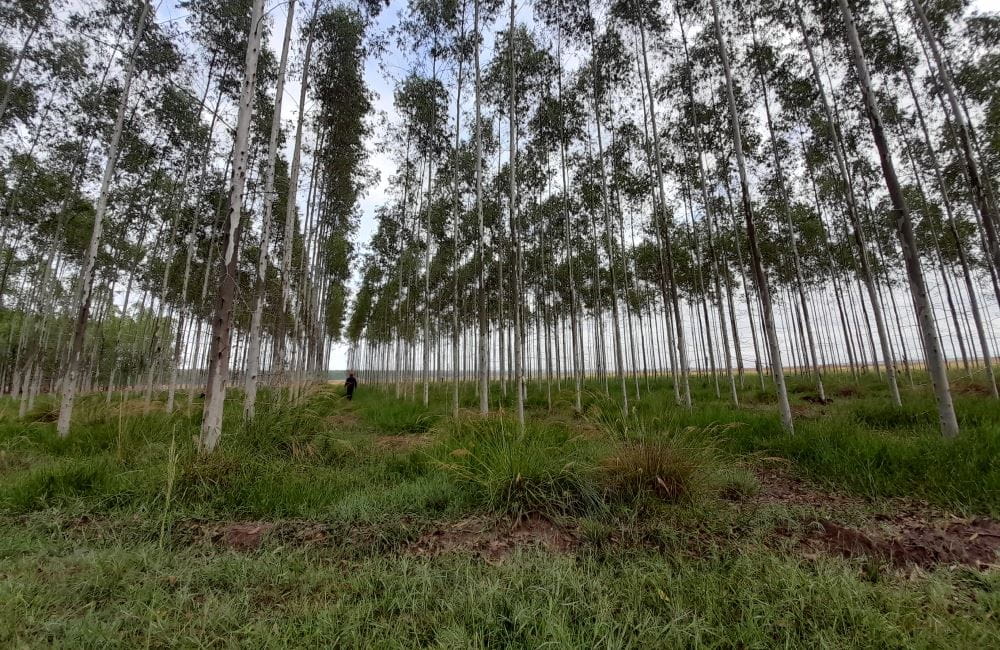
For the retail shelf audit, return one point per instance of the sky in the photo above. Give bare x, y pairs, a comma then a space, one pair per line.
380, 76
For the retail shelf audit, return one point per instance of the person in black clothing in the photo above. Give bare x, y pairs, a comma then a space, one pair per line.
351, 384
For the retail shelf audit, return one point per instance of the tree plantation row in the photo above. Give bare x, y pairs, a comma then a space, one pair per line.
576, 189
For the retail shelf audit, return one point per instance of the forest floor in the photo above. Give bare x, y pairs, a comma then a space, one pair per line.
381, 522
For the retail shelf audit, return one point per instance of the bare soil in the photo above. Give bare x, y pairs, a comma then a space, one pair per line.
402, 443
971, 542
493, 540
903, 533
899, 533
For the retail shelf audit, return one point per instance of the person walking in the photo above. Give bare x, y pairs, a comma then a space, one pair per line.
351, 384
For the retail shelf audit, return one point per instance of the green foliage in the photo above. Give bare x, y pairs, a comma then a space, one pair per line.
80, 524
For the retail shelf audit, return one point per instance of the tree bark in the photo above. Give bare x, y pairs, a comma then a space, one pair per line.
219, 353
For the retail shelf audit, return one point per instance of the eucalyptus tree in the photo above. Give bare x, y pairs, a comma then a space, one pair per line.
853, 212
904, 227
429, 24
696, 117
985, 208
253, 352
220, 350
954, 225
86, 281
646, 14
459, 50
482, 10
33, 15
344, 103
763, 289
764, 55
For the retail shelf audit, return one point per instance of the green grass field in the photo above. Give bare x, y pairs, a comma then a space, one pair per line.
382, 523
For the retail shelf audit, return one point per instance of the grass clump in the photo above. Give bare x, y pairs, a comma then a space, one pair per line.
738, 483
541, 469
676, 467
881, 415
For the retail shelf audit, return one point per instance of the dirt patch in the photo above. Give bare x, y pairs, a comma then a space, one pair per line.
847, 391
973, 543
971, 387
495, 541
343, 420
905, 533
779, 486
402, 443
294, 533
809, 411
239, 536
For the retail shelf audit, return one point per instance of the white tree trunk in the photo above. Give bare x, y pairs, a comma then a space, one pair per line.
904, 228
85, 285
218, 370
777, 369
253, 353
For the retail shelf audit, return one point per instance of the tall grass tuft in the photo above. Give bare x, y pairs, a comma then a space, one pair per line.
675, 467
541, 470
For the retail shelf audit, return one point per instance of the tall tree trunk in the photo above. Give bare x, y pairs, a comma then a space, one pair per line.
456, 202
484, 370
86, 282
852, 211
666, 247
799, 282
219, 353
269, 199
293, 186
756, 262
904, 228
515, 233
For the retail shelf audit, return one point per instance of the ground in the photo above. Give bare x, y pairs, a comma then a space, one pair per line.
382, 522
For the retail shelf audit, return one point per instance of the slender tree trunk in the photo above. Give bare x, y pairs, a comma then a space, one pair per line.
484, 386
219, 353
16, 71
799, 282
281, 362
852, 210
86, 282
756, 262
455, 230
269, 199
904, 227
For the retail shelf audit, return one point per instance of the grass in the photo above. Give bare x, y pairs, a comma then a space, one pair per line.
94, 550
543, 469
